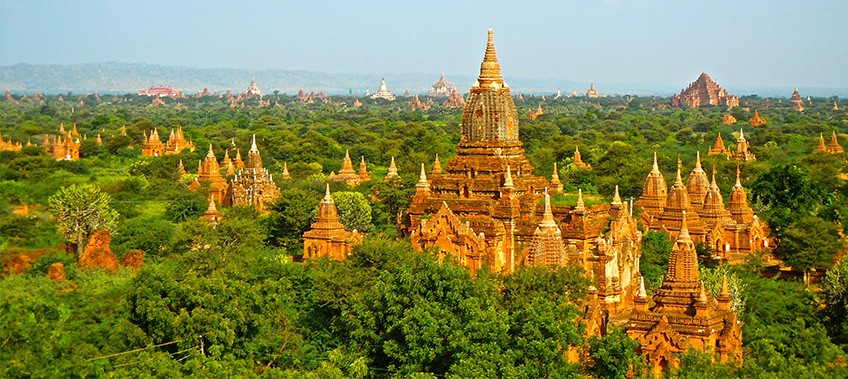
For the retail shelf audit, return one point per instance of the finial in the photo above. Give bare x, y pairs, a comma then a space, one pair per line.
253, 144
684, 230
508, 178
713, 184
698, 161
642, 294
210, 154
490, 69
548, 216
678, 179
741, 134
556, 172
738, 181
327, 197
580, 205
724, 290
656, 168
616, 199
702, 296
422, 179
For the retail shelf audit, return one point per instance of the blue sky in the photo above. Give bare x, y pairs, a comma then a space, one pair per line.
748, 43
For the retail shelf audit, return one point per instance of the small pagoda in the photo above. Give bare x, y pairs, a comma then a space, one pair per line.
209, 172
592, 93
383, 92
252, 185
442, 88
327, 237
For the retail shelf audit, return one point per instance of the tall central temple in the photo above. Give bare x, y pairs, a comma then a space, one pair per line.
487, 209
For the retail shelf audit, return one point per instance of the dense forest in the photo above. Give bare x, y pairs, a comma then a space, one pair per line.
236, 300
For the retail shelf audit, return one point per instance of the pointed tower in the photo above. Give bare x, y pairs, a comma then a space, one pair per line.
697, 185
547, 247
153, 146
211, 215
555, 183
673, 219
327, 238
684, 315
821, 147
578, 159
713, 213
654, 192
738, 207
437, 166
238, 162
210, 172
719, 148
393, 173
347, 174
364, 176
285, 175
227, 163
422, 188
757, 120
252, 185
833, 147
181, 169
742, 152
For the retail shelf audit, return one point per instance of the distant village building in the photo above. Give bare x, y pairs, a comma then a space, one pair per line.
383, 92
441, 88
702, 92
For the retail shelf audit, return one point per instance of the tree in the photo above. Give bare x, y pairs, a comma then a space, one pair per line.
656, 249
291, 215
808, 243
786, 193
79, 210
835, 290
354, 211
613, 355
184, 206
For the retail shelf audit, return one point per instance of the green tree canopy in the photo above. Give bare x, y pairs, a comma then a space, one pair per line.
80, 209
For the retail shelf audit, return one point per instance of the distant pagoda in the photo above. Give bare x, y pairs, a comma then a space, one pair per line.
253, 185
702, 92
592, 93
383, 92
455, 100
442, 88
253, 89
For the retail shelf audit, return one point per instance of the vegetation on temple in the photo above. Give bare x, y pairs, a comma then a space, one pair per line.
230, 301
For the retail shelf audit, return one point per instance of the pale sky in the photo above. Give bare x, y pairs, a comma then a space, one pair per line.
739, 43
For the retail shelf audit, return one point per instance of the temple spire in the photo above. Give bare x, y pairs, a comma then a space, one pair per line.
548, 216
656, 168
508, 178
713, 184
210, 154
683, 236
437, 166
253, 144
738, 181
327, 197
698, 161
724, 290
616, 199
642, 294
580, 205
490, 69
423, 184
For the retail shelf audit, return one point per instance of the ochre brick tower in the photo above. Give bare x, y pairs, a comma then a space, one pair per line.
472, 184
684, 314
253, 184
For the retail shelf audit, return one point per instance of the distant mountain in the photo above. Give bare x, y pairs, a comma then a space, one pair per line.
119, 78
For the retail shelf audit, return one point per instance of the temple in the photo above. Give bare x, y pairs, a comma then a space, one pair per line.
392, 172
327, 238
592, 93
66, 146
253, 89
684, 314
799, 102
211, 215
162, 91
730, 232
253, 184
833, 147
442, 88
534, 115
483, 209
9, 145
741, 153
417, 105
702, 92
455, 100
177, 142
153, 146
350, 176
209, 173
578, 160
383, 92
728, 120
757, 120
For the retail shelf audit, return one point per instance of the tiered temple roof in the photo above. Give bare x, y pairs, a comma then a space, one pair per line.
592, 93
348, 175
153, 146
417, 105
684, 314
9, 145
253, 89
702, 92
209, 172
383, 92
393, 172
66, 146
455, 100
799, 102
177, 142
328, 238
442, 88
253, 185
834, 147
757, 120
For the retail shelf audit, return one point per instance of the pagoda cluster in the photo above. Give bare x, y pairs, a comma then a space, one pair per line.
153, 146
65, 146
251, 184
731, 231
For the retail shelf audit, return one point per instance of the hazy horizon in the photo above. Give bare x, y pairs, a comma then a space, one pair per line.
758, 44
